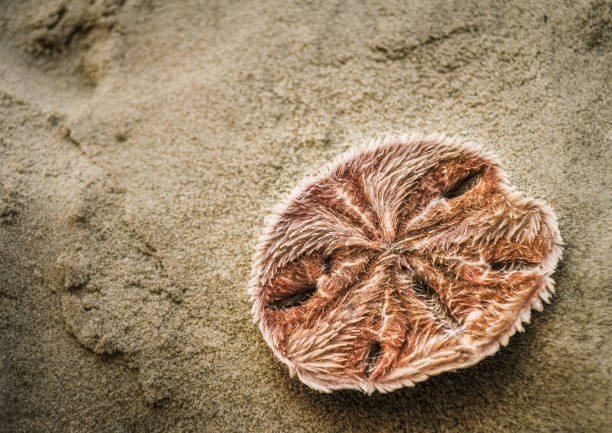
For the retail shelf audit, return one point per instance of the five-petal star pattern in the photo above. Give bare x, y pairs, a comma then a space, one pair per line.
406, 258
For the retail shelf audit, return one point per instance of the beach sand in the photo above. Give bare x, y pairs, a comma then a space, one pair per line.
143, 143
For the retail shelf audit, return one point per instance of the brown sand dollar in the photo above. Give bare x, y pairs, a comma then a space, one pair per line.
406, 258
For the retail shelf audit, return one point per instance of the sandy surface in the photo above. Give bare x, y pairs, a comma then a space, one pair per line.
142, 144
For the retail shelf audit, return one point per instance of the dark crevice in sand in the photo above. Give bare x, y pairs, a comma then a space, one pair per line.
394, 51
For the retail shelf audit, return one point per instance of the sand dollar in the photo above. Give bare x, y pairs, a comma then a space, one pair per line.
404, 259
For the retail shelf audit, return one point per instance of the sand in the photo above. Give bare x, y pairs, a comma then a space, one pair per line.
143, 143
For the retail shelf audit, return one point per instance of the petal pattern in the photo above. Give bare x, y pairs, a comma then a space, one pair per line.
404, 259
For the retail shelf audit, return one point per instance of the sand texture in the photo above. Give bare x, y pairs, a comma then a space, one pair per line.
143, 143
